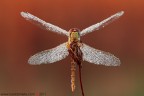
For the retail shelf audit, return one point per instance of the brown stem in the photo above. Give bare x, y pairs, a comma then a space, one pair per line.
81, 80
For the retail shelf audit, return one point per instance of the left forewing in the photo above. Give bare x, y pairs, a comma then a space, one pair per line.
42, 24
49, 56
99, 57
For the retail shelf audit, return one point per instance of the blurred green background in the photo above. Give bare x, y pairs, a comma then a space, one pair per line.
20, 39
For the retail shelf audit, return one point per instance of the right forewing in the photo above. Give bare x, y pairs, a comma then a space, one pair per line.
99, 57
49, 56
102, 23
44, 25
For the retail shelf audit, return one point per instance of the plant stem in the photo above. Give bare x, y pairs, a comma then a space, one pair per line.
81, 80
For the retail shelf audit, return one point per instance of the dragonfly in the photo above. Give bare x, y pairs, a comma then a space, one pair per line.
74, 47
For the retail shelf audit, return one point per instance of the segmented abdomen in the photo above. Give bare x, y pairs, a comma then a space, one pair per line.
73, 70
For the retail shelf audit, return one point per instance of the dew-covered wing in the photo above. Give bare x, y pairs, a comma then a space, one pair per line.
49, 56
101, 24
99, 57
44, 25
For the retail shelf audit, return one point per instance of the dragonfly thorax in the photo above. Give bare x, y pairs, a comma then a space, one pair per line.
74, 35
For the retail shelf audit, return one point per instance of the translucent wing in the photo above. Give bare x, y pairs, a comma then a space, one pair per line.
102, 23
49, 56
96, 56
44, 25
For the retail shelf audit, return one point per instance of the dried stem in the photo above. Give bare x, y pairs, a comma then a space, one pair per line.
81, 80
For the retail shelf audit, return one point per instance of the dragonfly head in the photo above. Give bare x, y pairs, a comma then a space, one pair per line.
74, 33
74, 30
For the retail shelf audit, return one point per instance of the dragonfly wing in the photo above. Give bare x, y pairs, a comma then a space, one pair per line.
99, 57
102, 23
44, 25
49, 56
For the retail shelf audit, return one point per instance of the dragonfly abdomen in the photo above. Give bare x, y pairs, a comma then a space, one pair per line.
73, 69
76, 58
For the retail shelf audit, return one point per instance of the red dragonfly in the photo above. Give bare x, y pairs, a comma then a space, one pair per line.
78, 51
